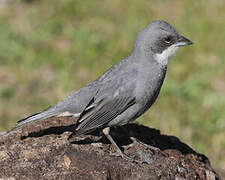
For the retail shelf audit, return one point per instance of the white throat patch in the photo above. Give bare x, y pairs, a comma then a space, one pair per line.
164, 57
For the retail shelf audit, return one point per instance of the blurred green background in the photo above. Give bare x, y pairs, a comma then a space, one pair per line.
50, 48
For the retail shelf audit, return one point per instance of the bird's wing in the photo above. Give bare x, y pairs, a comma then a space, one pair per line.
113, 98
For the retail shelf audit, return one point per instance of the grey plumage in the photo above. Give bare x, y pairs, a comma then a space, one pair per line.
127, 89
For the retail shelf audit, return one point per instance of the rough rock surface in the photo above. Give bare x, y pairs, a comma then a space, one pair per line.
42, 151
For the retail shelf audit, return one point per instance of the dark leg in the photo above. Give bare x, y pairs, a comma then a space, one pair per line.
106, 133
146, 145
152, 148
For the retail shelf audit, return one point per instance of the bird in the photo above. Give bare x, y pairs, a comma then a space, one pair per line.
126, 90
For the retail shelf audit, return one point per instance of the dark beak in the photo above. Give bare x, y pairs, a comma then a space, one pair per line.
183, 41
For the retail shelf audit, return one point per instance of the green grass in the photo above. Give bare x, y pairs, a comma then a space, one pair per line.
48, 50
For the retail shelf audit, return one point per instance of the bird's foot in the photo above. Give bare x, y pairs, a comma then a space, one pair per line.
145, 158
124, 156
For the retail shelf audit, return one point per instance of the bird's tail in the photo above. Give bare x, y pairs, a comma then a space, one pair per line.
35, 117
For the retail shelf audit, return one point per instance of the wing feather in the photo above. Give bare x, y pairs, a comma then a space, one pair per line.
113, 97
101, 116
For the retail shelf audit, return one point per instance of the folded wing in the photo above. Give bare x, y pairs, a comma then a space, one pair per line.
114, 97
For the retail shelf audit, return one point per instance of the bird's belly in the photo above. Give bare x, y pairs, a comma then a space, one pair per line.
149, 96
128, 115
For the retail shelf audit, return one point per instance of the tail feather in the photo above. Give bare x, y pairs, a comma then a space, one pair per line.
35, 117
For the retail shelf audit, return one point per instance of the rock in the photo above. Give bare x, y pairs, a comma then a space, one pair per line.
41, 150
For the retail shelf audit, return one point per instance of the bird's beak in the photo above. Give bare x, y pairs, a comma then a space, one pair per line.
183, 41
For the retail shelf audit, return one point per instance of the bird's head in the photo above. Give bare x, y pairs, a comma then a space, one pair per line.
160, 40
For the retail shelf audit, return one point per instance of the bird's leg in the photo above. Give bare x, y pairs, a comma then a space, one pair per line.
106, 133
152, 148
146, 145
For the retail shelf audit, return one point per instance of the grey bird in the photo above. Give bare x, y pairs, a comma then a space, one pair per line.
126, 90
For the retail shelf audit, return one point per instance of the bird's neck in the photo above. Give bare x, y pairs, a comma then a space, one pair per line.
147, 61
163, 57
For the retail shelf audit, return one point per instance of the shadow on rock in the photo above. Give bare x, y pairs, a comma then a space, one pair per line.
122, 135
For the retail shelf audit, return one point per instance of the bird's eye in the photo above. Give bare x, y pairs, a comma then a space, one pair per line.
168, 40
